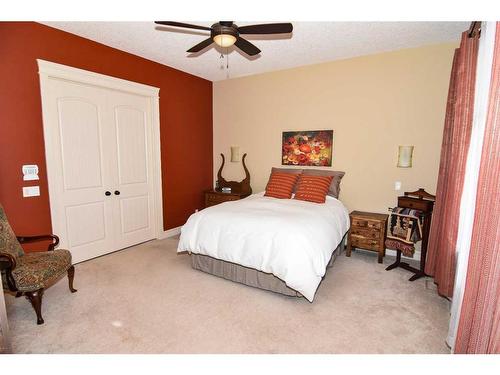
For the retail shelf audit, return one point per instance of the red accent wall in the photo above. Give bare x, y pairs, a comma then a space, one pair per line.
185, 120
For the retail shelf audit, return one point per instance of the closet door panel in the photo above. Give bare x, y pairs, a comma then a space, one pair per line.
132, 125
81, 230
132, 145
134, 214
77, 136
80, 143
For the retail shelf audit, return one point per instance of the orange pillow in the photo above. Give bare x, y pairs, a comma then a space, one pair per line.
313, 188
280, 185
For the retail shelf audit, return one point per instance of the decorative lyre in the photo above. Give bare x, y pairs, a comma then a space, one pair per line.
242, 187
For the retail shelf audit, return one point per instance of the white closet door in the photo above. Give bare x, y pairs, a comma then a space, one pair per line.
133, 190
99, 161
77, 138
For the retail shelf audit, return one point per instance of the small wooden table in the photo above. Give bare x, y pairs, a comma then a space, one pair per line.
213, 197
368, 231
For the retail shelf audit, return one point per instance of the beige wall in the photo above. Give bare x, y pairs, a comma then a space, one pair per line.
373, 103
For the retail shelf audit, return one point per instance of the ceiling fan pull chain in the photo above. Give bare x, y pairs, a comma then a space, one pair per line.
221, 59
227, 64
222, 55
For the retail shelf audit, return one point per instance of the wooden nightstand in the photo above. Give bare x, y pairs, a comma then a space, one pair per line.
213, 197
368, 231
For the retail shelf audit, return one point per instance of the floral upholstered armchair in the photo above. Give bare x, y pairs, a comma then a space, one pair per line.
29, 274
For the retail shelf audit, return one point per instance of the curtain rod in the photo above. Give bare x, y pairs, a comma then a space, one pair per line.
475, 27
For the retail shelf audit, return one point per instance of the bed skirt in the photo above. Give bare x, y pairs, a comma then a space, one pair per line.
249, 276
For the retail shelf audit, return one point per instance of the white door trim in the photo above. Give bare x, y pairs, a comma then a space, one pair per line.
54, 70
48, 70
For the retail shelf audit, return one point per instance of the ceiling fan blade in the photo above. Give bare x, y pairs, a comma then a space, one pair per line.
200, 46
246, 46
180, 24
268, 28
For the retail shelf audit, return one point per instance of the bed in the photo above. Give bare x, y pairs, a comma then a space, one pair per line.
282, 245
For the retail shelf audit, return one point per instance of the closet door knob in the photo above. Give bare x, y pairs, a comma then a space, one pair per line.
117, 192
108, 193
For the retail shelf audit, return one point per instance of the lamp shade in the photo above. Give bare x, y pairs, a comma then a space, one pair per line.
225, 40
405, 156
235, 153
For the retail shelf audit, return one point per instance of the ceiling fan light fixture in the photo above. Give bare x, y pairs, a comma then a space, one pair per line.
227, 33
224, 40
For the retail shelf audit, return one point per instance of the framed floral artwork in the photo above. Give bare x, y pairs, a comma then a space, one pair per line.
308, 147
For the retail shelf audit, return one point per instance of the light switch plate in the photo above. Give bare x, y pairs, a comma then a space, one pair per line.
397, 185
30, 172
31, 191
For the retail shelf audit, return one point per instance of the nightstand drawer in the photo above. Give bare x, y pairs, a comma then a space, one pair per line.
416, 204
364, 223
213, 198
219, 199
366, 233
365, 243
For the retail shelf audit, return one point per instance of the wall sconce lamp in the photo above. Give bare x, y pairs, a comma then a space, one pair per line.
405, 156
235, 153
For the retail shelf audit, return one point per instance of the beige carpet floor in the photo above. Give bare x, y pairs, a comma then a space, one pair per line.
147, 299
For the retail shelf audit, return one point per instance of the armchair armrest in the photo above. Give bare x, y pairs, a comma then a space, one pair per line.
7, 261
28, 239
7, 264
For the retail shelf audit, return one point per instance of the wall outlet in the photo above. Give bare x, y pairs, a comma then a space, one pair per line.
31, 191
397, 185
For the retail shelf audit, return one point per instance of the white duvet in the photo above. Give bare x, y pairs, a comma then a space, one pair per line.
289, 238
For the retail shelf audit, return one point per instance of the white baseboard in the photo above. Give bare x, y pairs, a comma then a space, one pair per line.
170, 233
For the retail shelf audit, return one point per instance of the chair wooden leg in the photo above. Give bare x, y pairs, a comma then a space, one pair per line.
71, 276
36, 301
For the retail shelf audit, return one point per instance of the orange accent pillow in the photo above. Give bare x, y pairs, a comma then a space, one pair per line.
313, 188
280, 185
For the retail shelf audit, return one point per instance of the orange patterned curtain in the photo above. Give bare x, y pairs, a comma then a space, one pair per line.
441, 259
479, 324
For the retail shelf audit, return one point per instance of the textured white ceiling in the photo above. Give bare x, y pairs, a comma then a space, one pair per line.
310, 43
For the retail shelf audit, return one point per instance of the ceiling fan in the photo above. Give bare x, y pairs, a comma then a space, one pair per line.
227, 33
